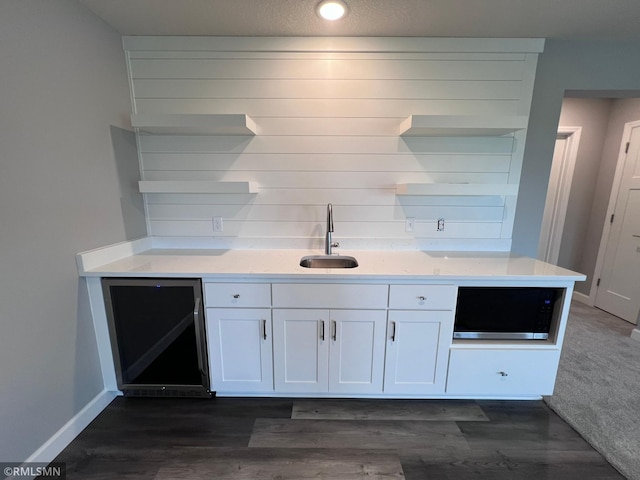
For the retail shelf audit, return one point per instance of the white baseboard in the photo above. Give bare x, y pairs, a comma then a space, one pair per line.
635, 334
582, 298
70, 430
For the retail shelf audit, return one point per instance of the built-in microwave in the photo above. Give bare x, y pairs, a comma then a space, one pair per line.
501, 313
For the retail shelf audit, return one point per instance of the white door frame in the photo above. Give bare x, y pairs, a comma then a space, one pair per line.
615, 189
558, 201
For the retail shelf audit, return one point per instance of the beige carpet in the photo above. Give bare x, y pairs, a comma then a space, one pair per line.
598, 386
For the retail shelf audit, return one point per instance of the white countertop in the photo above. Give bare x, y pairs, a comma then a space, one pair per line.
410, 265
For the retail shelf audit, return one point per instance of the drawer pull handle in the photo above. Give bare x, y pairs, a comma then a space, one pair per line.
503, 374
264, 329
393, 331
236, 295
422, 298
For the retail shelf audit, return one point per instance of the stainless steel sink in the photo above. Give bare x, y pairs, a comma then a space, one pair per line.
328, 261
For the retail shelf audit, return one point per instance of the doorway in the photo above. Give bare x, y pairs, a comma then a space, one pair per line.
617, 289
560, 179
602, 120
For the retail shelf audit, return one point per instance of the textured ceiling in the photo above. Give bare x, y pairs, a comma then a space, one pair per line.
567, 19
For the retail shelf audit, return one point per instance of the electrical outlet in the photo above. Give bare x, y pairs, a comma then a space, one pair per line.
409, 224
440, 227
217, 224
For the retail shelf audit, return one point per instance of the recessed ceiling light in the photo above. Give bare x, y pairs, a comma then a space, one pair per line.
332, 9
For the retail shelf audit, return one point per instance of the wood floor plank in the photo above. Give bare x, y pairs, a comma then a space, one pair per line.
288, 464
508, 464
506, 411
364, 434
139, 408
547, 436
417, 410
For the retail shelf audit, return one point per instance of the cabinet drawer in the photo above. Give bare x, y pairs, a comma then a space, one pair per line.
242, 295
502, 372
329, 295
423, 297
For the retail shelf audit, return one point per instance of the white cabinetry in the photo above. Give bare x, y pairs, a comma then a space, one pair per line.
338, 348
237, 295
239, 337
352, 339
301, 352
356, 351
423, 297
502, 371
418, 338
336, 351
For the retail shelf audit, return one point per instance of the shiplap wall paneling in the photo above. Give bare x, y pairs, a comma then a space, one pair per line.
327, 115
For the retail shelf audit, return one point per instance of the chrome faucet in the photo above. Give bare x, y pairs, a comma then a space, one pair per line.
329, 244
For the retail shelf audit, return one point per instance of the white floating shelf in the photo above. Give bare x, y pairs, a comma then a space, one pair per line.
448, 189
193, 124
460, 125
196, 186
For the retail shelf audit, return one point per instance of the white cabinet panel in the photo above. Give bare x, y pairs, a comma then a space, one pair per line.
356, 358
240, 349
502, 371
423, 297
417, 351
301, 349
240, 295
329, 295
320, 351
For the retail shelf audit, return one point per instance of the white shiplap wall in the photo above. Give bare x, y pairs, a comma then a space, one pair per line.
328, 112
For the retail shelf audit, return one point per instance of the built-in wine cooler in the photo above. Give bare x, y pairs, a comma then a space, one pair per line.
157, 336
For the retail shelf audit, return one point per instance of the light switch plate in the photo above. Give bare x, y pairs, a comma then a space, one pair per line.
410, 224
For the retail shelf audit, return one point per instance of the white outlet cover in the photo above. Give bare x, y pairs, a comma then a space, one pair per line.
410, 224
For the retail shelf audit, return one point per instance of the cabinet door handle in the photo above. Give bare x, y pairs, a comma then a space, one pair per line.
264, 329
200, 338
422, 298
196, 309
334, 325
236, 295
393, 331
322, 330
503, 374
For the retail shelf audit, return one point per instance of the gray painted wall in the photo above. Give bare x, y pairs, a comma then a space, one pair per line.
564, 65
63, 83
125, 152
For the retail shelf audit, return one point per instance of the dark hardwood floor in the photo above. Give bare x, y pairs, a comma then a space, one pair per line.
269, 438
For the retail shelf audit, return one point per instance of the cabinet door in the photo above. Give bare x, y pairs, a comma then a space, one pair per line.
240, 349
417, 351
356, 357
301, 350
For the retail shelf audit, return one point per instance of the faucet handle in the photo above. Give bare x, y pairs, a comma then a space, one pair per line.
335, 244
